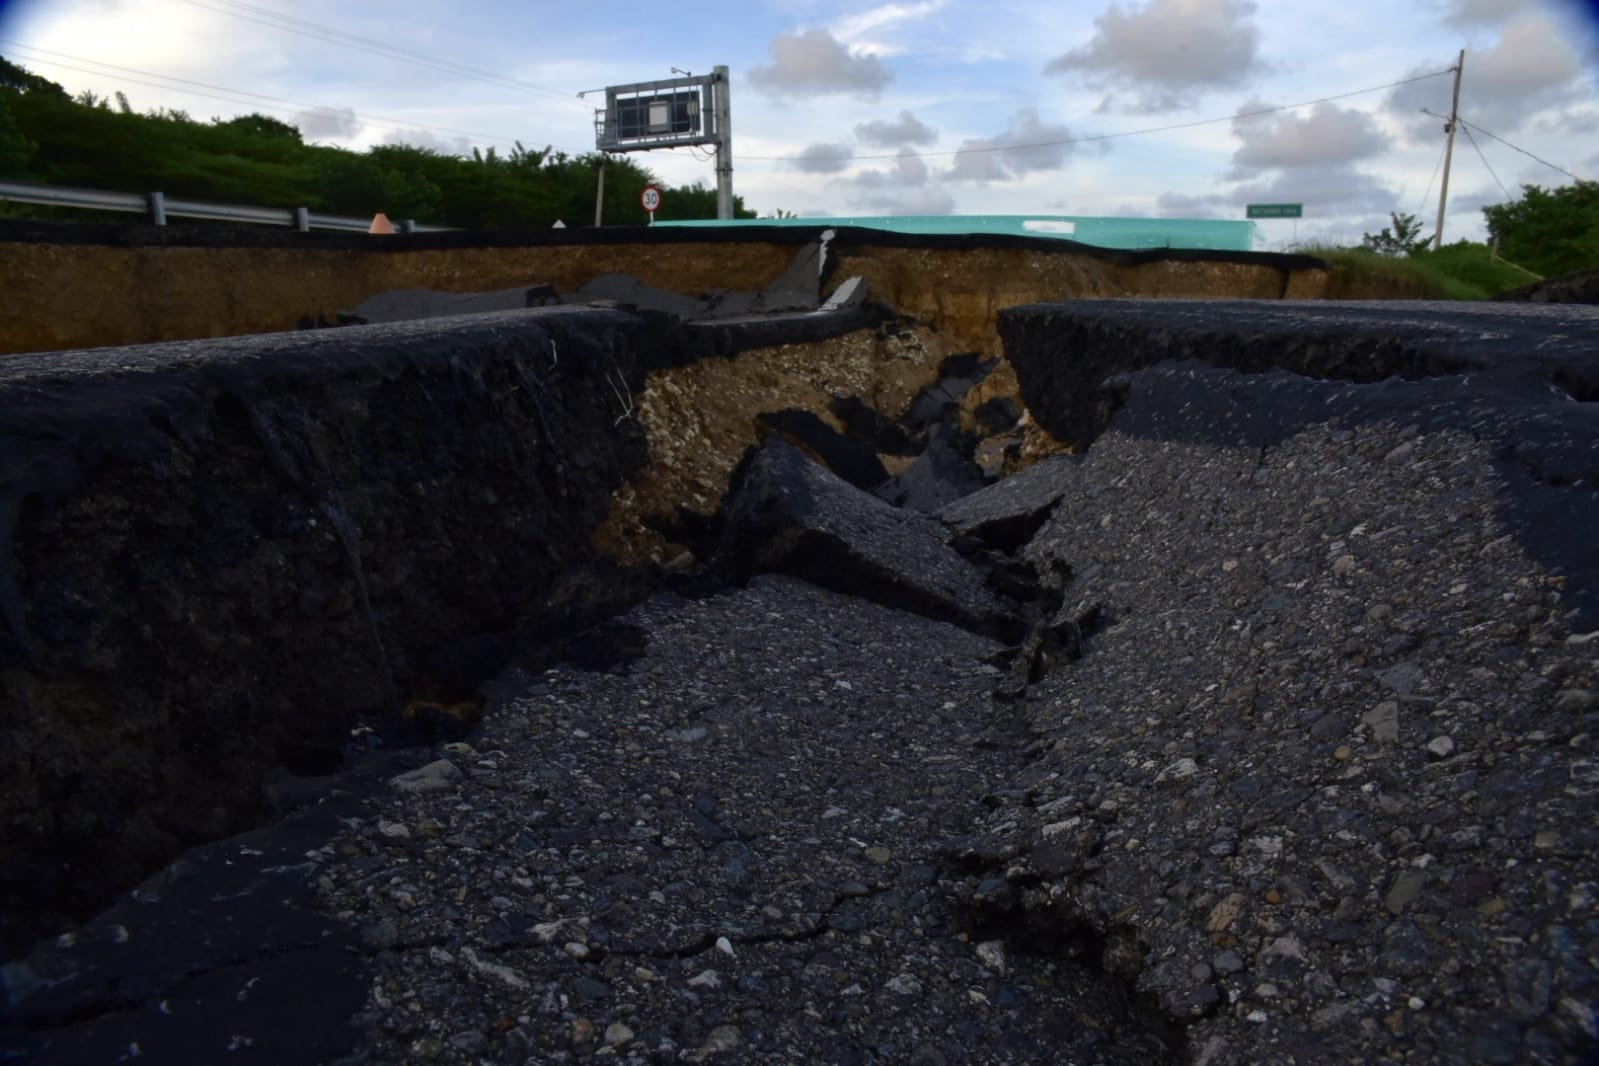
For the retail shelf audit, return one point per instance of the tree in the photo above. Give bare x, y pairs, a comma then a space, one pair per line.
1404, 239
259, 125
1549, 231
25, 81
49, 136
696, 201
16, 151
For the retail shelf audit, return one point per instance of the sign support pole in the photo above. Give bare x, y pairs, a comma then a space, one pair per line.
724, 144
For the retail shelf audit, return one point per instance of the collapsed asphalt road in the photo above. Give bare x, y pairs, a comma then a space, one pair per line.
1265, 735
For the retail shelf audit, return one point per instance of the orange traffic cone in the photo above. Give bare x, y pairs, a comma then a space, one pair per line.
381, 224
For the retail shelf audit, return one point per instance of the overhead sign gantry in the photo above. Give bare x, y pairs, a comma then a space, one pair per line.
672, 113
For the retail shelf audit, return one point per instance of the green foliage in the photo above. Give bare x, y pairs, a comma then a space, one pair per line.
1464, 270
87, 98
48, 136
17, 79
1400, 277
256, 125
1406, 238
695, 201
1550, 231
16, 151
1473, 263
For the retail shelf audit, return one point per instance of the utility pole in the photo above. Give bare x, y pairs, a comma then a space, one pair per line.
724, 143
1449, 151
599, 194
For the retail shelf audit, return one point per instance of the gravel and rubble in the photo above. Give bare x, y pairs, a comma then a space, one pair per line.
731, 848
1325, 781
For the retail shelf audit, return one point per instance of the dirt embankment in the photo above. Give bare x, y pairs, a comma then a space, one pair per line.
92, 286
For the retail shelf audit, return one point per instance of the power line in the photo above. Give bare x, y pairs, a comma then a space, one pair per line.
1523, 151
1111, 136
238, 96
1485, 162
289, 24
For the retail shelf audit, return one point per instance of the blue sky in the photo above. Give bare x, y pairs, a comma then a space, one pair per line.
919, 106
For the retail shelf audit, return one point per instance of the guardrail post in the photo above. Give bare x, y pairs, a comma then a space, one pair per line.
302, 219
158, 209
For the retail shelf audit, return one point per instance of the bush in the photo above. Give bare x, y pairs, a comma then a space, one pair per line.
1552, 231
1460, 271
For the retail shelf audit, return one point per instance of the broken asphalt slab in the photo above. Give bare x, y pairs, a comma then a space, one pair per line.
1521, 378
785, 513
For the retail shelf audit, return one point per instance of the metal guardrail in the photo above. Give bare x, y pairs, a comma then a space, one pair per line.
156, 207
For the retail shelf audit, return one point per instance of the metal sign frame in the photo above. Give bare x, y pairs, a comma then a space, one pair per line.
669, 113
672, 113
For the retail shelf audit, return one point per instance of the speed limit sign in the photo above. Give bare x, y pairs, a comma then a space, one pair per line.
650, 198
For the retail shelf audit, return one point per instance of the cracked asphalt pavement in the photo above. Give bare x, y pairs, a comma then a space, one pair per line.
728, 848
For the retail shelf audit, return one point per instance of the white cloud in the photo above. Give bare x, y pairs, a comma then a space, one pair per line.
1027, 144
328, 124
420, 138
823, 158
814, 63
1203, 205
922, 200
908, 170
1579, 125
1164, 53
1326, 134
1531, 67
1532, 57
862, 33
1324, 191
1482, 12
891, 133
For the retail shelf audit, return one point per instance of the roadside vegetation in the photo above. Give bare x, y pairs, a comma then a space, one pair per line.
1465, 270
50, 137
1543, 233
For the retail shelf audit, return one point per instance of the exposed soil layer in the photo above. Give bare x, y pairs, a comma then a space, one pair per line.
86, 286
700, 420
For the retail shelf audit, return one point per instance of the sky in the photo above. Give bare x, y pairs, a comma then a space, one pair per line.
1153, 108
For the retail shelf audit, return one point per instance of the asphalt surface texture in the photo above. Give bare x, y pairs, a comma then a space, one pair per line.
1294, 760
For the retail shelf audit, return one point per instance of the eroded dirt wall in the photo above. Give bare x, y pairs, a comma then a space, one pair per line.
963, 290
93, 295
700, 419
89, 286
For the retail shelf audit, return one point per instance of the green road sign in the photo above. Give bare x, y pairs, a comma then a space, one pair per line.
1275, 211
